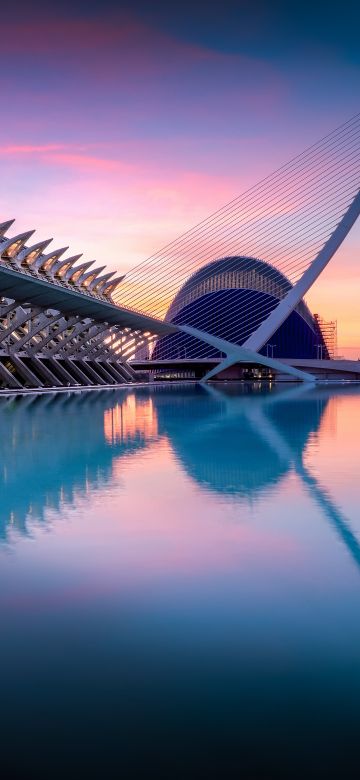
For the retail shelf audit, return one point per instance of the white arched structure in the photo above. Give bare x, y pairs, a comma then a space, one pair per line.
249, 351
58, 323
292, 222
61, 317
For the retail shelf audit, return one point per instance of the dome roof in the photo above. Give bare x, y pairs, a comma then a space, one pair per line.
234, 272
235, 263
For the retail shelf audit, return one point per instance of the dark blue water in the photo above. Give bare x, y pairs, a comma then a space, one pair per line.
180, 583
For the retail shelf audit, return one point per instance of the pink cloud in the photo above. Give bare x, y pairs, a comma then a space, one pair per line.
20, 149
88, 163
68, 156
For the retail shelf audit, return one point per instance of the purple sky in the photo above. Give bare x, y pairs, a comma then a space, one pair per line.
121, 127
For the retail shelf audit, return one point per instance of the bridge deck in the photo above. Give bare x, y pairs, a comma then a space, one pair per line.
313, 366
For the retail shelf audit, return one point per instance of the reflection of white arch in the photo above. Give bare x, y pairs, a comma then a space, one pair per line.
249, 351
255, 414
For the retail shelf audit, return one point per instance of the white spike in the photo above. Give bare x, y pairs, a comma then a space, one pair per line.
4, 226
12, 246
92, 275
109, 287
99, 279
69, 261
31, 253
50, 258
73, 274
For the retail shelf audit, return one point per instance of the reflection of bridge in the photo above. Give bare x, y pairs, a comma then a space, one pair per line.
64, 322
247, 443
238, 443
283, 446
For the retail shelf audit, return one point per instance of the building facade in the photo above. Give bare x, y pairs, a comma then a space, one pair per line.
230, 298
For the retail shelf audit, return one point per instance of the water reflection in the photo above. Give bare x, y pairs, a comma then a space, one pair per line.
237, 441
191, 605
133, 417
242, 443
60, 447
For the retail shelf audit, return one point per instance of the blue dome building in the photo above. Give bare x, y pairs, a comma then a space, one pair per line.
230, 298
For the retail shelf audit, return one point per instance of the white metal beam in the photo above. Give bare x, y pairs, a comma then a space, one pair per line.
236, 354
294, 296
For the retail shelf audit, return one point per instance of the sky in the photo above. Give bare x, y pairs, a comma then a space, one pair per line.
124, 124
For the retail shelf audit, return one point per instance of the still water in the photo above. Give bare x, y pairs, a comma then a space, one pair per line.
180, 583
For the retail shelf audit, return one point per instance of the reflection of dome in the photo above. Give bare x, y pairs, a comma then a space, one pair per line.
215, 436
220, 443
218, 298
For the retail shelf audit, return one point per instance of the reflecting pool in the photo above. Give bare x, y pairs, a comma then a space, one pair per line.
180, 582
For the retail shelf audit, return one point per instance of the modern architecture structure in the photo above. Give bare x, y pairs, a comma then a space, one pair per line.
230, 290
213, 299
271, 245
58, 324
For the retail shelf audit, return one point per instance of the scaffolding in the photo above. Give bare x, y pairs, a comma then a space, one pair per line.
328, 331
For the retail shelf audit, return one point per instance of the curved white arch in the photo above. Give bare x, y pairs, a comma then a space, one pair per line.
294, 296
